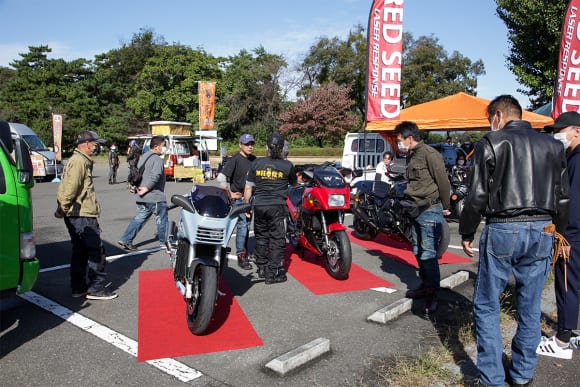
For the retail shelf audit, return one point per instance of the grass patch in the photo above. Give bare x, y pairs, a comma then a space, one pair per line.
439, 366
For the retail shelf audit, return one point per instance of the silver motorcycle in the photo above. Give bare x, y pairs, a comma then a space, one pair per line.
199, 249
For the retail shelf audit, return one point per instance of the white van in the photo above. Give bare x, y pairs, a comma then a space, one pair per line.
44, 163
363, 150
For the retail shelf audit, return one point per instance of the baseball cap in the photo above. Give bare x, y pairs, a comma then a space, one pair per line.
89, 136
564, 120
246, 139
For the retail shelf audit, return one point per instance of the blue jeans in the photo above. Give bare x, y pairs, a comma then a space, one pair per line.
144, 212
242, 230
524, 249
426, 230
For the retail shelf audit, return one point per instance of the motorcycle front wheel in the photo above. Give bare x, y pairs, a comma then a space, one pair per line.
199, 309
362, 230
338, 255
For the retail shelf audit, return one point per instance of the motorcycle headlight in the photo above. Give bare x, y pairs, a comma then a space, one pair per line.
336, 200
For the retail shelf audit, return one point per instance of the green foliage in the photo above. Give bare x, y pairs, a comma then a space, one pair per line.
119, 91
534, 30
430, 73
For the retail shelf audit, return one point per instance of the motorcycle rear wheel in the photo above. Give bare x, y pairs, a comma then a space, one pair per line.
199, 309
338, 255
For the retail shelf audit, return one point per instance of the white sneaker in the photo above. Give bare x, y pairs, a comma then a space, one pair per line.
549, 347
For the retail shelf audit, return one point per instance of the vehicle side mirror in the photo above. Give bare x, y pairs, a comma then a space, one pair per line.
23, 161
357, 172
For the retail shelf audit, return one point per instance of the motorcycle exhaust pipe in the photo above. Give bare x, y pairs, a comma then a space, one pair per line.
357, 211
180, 287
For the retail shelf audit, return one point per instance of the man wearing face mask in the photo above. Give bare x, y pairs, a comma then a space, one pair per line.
428, 186
78, 206
518, 182
149, 196
567, 274
113, 164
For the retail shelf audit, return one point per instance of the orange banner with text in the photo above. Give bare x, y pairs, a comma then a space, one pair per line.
206, 104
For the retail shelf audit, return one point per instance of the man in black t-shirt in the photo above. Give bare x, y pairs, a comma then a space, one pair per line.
233, 179
269, 178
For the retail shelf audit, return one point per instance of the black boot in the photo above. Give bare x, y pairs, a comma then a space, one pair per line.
261, 271
430, 301
243, 261
275, 278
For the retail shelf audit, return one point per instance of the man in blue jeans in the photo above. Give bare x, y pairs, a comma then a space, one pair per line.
428, 186
519, 184
149, 196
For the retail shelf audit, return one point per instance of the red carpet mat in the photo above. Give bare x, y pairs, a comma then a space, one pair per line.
162, 327
311, 273
401, 251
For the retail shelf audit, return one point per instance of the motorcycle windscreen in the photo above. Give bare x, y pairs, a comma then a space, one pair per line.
210, 201
329, 177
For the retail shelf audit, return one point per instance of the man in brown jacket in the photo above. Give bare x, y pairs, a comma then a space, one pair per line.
77, 204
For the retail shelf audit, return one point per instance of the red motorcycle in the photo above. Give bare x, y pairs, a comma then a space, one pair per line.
315, 221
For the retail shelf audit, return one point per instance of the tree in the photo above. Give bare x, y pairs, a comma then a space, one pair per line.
250, 93
167, 86
41, 86
339, 61
430, 73
325, 115
534, 31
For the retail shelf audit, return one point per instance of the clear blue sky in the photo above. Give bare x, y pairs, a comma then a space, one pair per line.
83, 28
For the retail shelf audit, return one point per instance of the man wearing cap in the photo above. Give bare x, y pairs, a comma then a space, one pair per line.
149, 197
233, 179
519, 183
77, 204
567, 274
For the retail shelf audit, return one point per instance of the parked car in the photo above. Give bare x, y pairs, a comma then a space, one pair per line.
44, 162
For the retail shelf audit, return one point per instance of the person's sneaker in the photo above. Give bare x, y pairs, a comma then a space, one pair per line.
574, 342
275, 279
165, 246
76, 293
549, 347
127, 246
243, 261
103, 294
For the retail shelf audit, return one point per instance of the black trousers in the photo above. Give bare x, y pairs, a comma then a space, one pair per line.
568, 302
87, 264
270, 235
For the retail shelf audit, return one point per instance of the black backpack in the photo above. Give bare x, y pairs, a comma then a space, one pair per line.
135, 178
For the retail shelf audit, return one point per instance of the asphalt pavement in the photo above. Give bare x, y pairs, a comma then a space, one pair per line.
72, 341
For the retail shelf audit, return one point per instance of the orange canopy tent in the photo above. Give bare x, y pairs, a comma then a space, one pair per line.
456, 112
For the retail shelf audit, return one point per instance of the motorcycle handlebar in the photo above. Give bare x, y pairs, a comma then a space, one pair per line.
238, 210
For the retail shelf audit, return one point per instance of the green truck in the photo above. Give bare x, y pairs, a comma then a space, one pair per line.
18, 263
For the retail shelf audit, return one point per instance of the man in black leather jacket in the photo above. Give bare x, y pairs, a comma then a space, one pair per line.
519, 184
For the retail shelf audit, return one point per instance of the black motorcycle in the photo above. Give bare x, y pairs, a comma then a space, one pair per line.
380, 207
459, 190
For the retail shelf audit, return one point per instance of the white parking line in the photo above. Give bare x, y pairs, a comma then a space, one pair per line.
167, 365
110, 258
